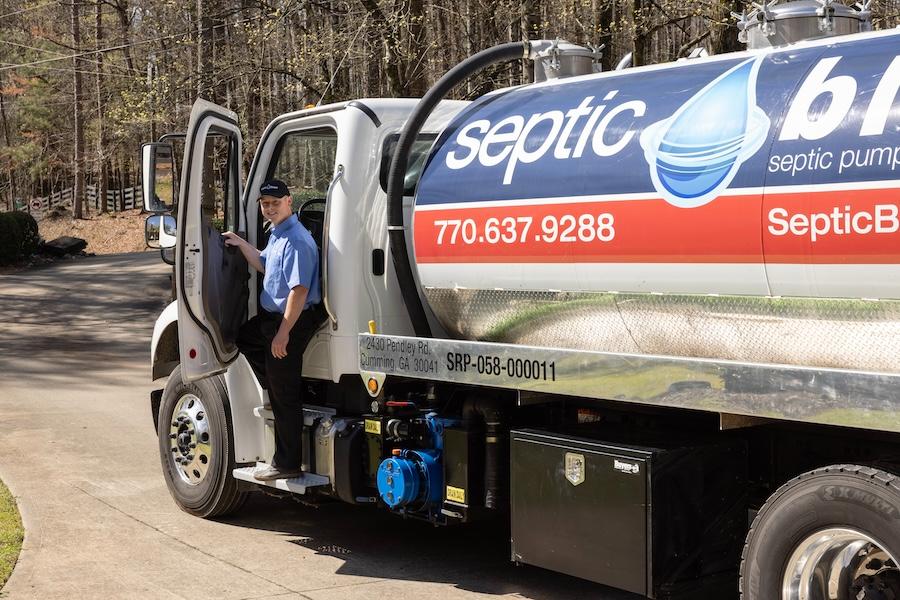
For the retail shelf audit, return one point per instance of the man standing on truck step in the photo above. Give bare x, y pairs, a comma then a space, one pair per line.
274, 340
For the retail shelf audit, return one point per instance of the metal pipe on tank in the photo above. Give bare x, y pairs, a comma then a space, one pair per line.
562, 59
396, 226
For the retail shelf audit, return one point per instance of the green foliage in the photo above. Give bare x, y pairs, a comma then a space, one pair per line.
11, 238
41, 147
11, 534
31, 238
262, 59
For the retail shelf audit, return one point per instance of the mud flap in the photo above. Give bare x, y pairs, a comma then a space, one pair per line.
155, 399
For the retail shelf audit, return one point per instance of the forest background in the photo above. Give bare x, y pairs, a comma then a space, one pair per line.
84, 83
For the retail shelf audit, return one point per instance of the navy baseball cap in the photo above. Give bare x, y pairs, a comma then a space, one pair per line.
274, 188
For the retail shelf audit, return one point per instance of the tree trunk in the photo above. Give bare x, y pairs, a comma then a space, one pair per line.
207, 86
373, 64
340, 67
531, 30
601, 25
392, 58
100, 179
202, 55
723, 35
416, 79
638, 32
78, 198
11, 201
125, 25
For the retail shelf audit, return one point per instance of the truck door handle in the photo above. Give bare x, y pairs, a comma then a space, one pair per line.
339, 172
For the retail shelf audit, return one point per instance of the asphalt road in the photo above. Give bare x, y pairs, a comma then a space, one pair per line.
78, 450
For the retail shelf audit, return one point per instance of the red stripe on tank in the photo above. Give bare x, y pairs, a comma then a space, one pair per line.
731, 229
846, 241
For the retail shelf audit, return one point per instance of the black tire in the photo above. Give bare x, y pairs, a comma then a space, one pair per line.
858, 498
217, 492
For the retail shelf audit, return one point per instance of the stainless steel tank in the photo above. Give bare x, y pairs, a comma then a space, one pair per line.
742, 207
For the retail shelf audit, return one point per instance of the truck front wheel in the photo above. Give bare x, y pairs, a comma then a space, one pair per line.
196, 448
830, 533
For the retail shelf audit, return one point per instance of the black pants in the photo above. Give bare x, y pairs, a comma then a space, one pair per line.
281, 376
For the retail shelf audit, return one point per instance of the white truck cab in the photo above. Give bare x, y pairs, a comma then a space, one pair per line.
334, 160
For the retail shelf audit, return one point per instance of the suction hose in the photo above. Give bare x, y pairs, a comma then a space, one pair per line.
397, 174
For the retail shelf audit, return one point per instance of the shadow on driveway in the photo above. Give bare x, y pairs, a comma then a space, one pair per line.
86, 323
374, 543
90, 316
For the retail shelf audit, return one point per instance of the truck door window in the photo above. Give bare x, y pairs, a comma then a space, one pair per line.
219, 188
418, 154
304, 160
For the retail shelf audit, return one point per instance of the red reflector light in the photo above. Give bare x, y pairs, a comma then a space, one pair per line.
193, 353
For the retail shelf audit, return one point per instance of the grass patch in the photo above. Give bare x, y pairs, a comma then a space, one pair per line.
11, 534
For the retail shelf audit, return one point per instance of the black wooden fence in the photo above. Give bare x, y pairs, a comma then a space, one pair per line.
116, 200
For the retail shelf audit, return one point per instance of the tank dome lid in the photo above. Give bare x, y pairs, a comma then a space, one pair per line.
776, 23
811, 8
554, 59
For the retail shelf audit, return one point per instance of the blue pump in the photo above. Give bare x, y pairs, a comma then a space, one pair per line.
415, 478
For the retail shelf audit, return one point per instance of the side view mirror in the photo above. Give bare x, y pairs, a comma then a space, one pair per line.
158, 177
159, 231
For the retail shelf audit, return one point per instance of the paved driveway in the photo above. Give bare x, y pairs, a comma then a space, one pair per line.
78, 450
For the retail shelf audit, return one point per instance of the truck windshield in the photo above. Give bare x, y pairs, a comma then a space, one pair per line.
417, 156
304, 160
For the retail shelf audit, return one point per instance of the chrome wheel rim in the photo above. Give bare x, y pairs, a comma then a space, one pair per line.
190, 442
840, 564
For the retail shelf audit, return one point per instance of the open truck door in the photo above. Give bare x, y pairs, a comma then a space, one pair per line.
211, 278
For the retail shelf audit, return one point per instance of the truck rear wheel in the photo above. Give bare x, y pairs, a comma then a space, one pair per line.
196, 446
832, 533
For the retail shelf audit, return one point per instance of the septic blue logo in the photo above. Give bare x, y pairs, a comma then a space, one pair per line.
695, 153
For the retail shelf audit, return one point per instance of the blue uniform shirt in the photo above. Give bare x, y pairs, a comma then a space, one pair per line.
290, 259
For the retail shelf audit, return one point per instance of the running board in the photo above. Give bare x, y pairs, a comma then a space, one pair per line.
296, 485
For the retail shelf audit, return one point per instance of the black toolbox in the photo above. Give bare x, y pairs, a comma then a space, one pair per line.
666, 520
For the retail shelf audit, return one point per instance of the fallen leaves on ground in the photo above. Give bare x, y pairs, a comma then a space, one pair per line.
112, 233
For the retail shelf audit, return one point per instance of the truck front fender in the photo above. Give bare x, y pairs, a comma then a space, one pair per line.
164, 355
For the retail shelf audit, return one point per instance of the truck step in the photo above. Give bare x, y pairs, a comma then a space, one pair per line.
296, 485
263, 413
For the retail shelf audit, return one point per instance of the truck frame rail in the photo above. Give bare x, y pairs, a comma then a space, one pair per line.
782, 392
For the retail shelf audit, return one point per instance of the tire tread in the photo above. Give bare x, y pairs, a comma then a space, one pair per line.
232, 497
888, 479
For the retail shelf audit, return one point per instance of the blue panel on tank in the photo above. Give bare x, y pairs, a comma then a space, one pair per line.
685, 132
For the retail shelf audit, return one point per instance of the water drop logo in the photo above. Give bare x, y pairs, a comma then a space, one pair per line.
695, 153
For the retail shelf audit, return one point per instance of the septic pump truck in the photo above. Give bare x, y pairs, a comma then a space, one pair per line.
609, 307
